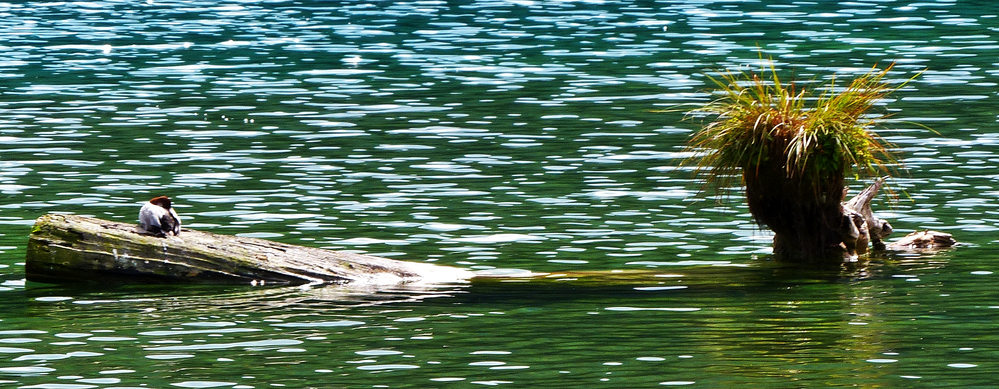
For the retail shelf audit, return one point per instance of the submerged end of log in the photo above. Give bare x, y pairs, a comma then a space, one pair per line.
71, 248
923, 240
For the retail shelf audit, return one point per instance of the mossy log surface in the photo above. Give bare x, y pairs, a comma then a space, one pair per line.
70, 248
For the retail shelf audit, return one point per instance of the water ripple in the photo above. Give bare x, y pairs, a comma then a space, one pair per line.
494, 135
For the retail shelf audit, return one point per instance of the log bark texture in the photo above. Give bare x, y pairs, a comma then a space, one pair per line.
71, 248
923, 241
832, 236
861, 225
813, 223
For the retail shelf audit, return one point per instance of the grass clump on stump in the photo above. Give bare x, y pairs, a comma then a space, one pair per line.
793, 148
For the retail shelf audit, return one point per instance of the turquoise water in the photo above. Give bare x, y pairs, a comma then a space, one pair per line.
485, 135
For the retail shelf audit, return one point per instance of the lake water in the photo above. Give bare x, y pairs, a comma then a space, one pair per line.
486, 135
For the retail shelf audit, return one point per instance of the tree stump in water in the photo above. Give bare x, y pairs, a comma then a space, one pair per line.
794, 148
70, 248
857, 228
843, 232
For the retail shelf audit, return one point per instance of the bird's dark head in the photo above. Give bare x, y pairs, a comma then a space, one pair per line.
162, 201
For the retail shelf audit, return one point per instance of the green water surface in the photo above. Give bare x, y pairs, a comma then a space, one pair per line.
487, 135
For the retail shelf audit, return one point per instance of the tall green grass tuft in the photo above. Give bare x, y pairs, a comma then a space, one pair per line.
761, 121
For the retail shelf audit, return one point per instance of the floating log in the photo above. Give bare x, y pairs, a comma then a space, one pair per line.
71, 248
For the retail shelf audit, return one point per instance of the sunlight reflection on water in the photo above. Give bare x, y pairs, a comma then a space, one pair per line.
496, 136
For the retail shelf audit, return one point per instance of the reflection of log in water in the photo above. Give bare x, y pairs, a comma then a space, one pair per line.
495, 286
506, 287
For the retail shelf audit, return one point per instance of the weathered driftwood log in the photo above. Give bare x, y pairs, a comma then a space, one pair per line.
923, 240
70, 248
867, 226
862, 226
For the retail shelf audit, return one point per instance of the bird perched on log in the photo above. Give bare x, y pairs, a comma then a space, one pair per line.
158, 217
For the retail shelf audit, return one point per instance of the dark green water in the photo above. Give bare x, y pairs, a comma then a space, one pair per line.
484, 134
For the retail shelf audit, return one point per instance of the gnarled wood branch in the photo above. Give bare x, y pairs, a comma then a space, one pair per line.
864, 225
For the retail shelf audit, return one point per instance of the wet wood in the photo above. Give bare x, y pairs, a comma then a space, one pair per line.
860, 229
860, 225
870, 226
71, 248
920, 240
